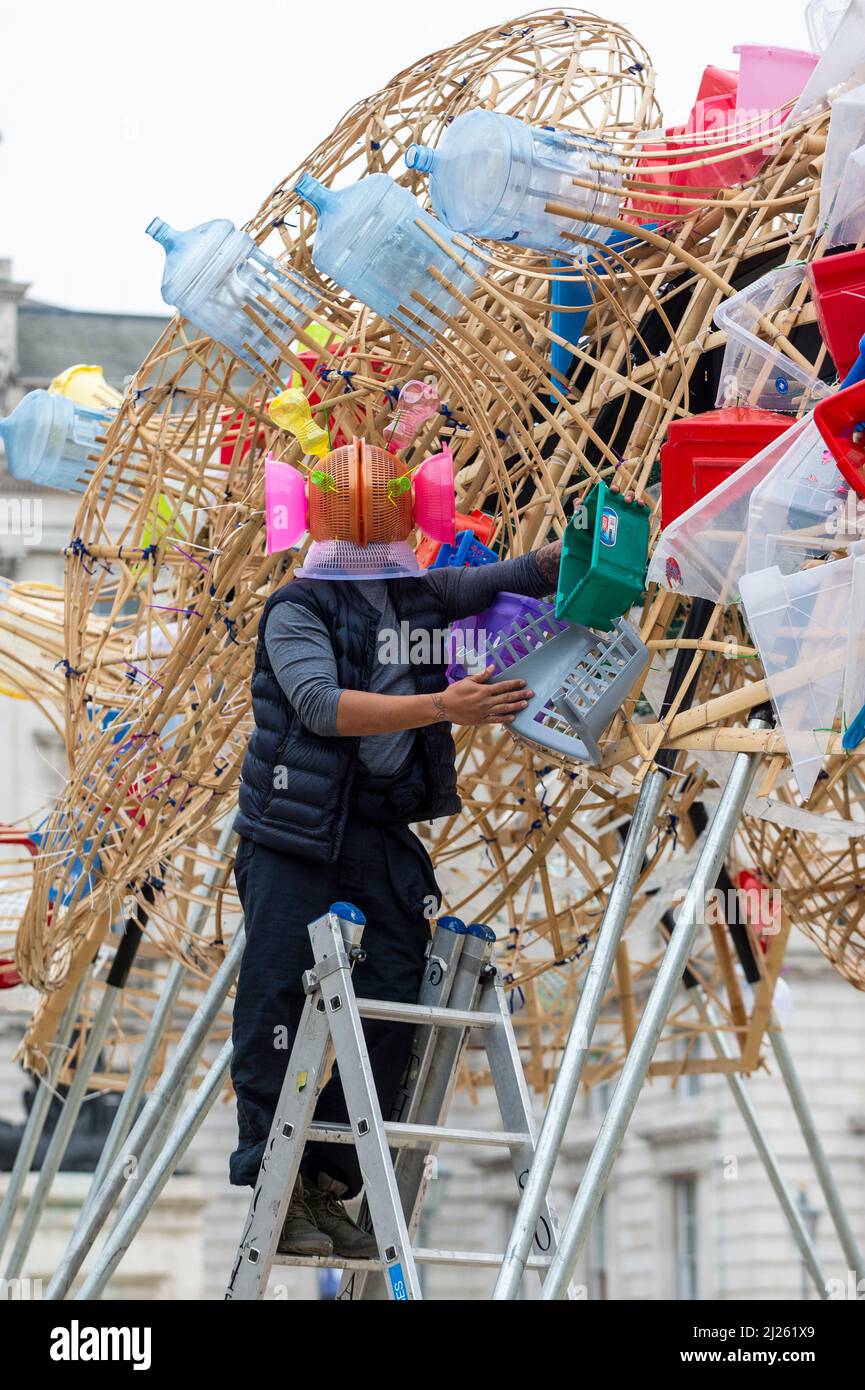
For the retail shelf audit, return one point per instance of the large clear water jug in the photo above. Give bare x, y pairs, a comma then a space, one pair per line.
52, 441
215, 274
368, 241
492, 176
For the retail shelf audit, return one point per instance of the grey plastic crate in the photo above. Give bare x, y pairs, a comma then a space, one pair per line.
580, 679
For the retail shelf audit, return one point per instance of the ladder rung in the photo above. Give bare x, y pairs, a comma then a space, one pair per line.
424, 1013
401, 1136
473, 1258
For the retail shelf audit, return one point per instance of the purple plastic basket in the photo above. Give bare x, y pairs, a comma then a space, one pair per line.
506, 612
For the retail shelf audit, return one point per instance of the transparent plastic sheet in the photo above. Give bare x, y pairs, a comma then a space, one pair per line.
753, 372
799, 624
847, 222
846, 134
854, 671
703, 552
797, 818
793, 512
841, 66
822, 18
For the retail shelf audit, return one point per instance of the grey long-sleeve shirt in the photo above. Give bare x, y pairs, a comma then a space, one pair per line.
300, 651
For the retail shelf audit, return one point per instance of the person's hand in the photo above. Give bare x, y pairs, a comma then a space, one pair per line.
630, 495
474, 701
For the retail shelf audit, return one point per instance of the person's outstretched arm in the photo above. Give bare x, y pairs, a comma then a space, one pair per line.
301, 655
471, 589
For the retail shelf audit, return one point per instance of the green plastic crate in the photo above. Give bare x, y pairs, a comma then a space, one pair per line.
605, 554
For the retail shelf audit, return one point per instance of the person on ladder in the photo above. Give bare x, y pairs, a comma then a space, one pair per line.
352, 744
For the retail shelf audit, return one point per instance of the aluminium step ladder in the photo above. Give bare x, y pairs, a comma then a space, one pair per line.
460, 995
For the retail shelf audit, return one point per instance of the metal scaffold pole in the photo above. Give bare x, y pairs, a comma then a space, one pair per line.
114, 986
635, 1069
181, 1136
176, 1075
45, 1091
825, 1177
597, 980
159, 1022
765, 1152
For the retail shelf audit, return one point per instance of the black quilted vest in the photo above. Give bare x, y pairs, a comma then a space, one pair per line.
303, 809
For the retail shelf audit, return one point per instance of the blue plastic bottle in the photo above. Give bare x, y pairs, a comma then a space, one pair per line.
214, 272
368, 241
52, 441
492, 176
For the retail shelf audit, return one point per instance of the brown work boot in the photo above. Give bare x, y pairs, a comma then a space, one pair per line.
330, 1216
300, 1232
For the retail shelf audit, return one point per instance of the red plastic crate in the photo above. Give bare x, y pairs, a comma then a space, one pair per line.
838, 285
838, 417
704, 450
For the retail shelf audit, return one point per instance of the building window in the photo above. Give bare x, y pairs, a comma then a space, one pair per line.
598, 1273
685, 1238
599, 1097
688, 1050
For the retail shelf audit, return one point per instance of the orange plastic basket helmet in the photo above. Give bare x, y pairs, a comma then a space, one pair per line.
358, 507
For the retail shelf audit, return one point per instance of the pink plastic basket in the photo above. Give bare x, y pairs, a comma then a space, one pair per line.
488, 631
772, 77
434, 506
284, 505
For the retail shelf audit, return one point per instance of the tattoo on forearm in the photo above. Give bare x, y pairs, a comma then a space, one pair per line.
439, 706
547, 560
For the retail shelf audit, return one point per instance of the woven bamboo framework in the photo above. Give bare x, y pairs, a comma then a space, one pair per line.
167, 572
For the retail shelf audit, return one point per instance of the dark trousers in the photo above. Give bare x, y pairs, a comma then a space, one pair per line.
387, 873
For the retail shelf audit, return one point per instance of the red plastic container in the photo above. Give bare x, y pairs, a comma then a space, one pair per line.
9, 976
704, 450
838, 417
758, 903
838, 285
477, 521
713, 118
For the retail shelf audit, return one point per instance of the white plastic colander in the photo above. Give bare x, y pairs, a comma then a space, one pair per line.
337, 560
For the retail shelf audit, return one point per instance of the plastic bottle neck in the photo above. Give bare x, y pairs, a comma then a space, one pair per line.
314, 193
163, 233
420, 157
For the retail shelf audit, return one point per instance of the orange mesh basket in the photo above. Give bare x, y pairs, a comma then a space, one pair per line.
334, 514
383, 518
359, 509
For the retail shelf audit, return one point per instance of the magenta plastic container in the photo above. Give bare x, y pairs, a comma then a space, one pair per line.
285, 508
506, 612
434, 505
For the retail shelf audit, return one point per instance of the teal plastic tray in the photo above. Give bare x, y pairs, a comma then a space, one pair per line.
605, 554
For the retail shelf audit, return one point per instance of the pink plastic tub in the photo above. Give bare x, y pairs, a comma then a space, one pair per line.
284, 505
771, 77
434, 506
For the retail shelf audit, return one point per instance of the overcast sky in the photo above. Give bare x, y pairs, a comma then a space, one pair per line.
112, 112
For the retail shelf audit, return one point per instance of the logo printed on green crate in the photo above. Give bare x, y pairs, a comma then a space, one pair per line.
609, 526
